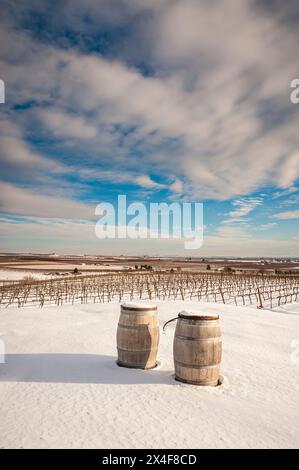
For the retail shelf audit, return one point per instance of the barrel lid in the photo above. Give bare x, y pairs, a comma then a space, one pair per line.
138, 306
197, 316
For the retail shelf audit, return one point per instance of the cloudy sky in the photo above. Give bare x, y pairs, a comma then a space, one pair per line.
161, 100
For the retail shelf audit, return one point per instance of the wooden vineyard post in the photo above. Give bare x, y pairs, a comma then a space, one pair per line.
260, 299
221, 293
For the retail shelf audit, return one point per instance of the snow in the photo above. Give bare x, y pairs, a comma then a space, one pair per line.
31, 267
10, 275
18, 274
60, 385
139, 305
198, 313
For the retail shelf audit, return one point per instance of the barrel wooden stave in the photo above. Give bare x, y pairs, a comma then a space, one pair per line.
138, 338
197, 351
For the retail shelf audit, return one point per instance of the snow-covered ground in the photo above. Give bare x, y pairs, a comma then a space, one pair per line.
60, 385
17, 275
32, 267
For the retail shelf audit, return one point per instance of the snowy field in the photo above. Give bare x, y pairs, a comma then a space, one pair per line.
17, 275
60, 385
33, 267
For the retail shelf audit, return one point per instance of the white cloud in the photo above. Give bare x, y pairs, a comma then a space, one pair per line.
69, 236
17, 152
244, 206
287, 215
235, 220
63, 124
285, 192
291, 200
176, 186
208, 95
19, 156
124, 177
210, 100
247, 246
146, 182
28, 202
232, 232
265, 226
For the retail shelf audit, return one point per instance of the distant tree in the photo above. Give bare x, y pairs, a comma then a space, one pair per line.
27, 279
227, 269
76, 271
136, 266
208, 267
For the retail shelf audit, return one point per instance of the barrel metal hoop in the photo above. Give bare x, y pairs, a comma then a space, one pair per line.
127, 351
197, 382
195, 366
137, 327
214, 339
139, 309
203, 318
136, 366
199, 321
138, 313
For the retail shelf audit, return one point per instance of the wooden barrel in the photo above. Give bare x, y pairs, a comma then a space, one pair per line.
138, 336
197, 349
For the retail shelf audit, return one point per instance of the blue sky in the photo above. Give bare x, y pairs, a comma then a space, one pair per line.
164, 101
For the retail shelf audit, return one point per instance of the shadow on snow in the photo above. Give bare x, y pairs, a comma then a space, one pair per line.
77, 368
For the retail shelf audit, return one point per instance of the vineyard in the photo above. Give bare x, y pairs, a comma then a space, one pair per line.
262, 291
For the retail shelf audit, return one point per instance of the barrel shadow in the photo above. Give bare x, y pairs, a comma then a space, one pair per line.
76, 368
